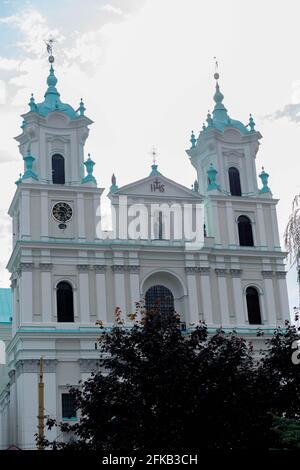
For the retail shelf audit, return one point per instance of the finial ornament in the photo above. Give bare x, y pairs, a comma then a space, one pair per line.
114, 186
209, 120
29, 161
19, 181
251, 123
264, 179
193, 140
216, 74
31, 104
81, 108
89, 165
212, 178
154, 166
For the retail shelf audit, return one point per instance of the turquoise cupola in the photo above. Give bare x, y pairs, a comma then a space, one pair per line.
52, 101
221, 118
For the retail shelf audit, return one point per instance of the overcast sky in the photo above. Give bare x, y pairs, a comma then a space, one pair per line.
145, 71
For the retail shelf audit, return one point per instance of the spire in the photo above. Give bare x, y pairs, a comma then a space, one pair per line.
219, 112
52, 96
52, 101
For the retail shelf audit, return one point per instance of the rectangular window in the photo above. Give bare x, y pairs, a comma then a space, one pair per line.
68, 407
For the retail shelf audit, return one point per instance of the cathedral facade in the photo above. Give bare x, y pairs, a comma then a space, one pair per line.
68, 274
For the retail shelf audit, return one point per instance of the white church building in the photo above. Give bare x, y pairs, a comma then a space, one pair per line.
67, 274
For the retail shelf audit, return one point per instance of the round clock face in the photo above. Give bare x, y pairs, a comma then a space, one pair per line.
62, 212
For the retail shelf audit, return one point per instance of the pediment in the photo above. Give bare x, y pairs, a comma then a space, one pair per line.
157, 186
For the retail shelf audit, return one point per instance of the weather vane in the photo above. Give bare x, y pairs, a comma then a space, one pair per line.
216, 74
49, 45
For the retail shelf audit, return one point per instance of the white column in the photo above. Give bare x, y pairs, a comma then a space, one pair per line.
13, 407
134, 279
84, 293
275, 230
80, 216
230, 224
50, 394
27, 392
269, 296
119, 284
44, 215
240, 314
26, 293
46, 292
206, 295
223, 296
25, 215
97, 216
101, 293
75, 159
284, 313
261, 226
215, 223
15, 322
192, 295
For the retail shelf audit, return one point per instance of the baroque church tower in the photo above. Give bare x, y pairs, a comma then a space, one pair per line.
65, 277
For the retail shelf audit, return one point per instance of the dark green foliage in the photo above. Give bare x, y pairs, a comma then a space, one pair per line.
159, 389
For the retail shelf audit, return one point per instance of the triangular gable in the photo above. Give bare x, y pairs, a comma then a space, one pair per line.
157, 186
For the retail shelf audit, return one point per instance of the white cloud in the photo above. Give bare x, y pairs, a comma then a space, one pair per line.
111, 9
6, 157
34, 27
9, 64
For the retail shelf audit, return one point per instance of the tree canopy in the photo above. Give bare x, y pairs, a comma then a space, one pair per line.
160, 389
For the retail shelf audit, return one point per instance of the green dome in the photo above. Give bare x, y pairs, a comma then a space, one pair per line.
220, 119
52, 101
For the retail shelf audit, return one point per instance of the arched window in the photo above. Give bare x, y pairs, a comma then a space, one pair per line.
64, 300
253, 307
234, 181
245, 231
58, 169
159, 298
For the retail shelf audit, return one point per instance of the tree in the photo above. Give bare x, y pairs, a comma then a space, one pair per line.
159, 389
292, 239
